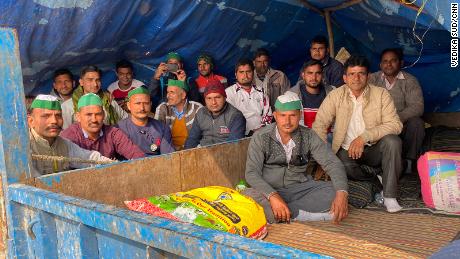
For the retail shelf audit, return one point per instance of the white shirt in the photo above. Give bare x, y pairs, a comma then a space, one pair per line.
69, 118
114, 86
388, 86
356, 127
254, 105
288, 147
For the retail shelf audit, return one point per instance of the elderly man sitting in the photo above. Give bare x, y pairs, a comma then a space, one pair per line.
91, 133
45, 124
278, 156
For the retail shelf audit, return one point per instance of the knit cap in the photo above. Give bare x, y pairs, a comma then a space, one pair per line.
215, 88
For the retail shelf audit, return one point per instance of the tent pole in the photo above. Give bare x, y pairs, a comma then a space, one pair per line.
342, 6
327, 16
311, 7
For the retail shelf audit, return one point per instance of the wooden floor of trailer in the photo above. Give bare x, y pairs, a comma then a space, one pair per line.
370, 234
364, 234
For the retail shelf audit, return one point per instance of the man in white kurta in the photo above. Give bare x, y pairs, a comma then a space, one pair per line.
249, 99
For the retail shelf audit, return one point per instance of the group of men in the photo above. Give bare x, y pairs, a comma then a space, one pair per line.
373, 119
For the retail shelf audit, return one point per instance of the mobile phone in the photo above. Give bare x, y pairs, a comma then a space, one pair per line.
172, 67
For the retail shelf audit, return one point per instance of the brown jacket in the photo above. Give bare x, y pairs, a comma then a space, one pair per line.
275, 84
379, 114
407, 94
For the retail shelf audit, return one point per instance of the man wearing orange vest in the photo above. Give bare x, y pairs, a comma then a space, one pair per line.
177, 112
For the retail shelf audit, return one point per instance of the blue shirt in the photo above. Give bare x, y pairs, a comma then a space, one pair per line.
153, 139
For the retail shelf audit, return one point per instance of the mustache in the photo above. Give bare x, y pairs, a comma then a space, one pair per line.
94, 124
54, 127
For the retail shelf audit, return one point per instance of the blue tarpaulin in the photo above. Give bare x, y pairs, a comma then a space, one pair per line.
74, 33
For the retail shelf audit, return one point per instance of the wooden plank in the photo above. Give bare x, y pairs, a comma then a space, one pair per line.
370, 234
191, 169
221, 164
14, 141
185, 240
116, 183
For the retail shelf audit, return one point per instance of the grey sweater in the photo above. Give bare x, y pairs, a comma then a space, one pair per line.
267, 169
406, 94
208, 129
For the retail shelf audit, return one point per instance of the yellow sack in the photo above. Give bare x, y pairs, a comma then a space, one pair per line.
213, 207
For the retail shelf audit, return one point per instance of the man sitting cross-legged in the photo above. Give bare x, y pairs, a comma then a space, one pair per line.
278, 156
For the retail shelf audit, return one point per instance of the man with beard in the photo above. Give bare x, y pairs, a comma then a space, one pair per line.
218, 122
278, 156
63, 84
89, 132
125, 83
205, 69
408, 98
45, 124
90, 82
332, 69
248, 98
273, 82
178, 112
150, 135
311, 90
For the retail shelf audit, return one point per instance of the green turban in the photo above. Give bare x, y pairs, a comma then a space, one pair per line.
88, 100
138, 90
288, 102
178, 83
173, 55
48, 102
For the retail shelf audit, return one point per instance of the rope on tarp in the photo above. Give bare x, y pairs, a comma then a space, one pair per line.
414, 33
68, 159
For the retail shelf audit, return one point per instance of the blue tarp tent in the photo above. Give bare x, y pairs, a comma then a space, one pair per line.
74, 33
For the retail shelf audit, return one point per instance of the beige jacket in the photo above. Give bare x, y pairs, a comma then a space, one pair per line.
379, 114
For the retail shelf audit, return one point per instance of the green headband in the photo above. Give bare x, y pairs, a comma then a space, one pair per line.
288, 102
88, 100
46, 102
178, 83
290, 106
174, 55
138, 90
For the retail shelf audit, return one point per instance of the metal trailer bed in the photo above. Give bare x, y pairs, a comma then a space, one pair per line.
80, 213
73, 214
